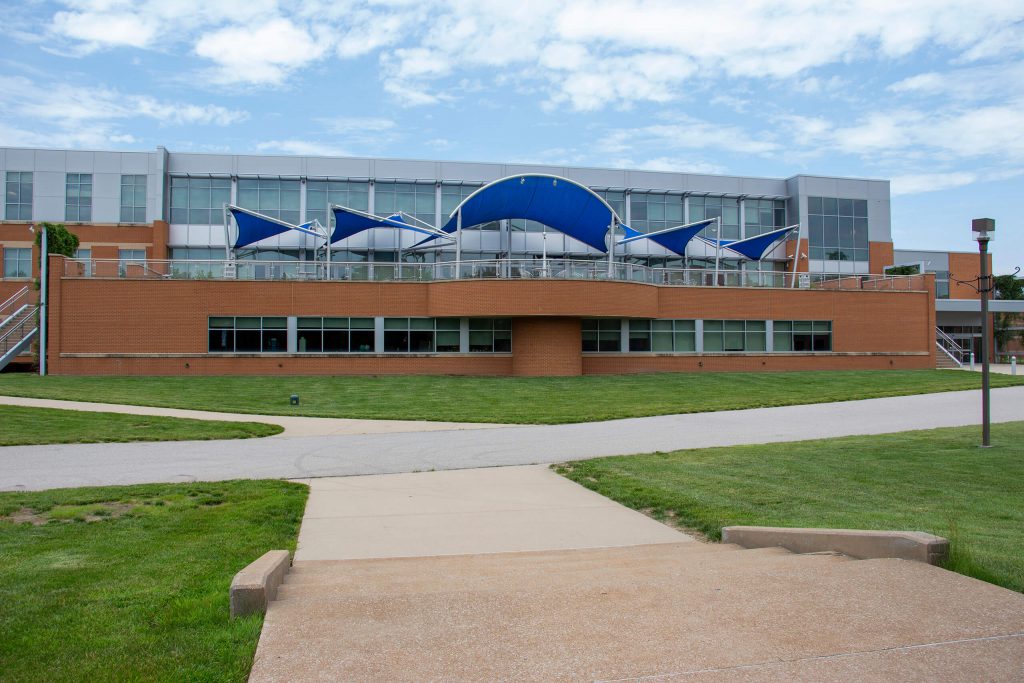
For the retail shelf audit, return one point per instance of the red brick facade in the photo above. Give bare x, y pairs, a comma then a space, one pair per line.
154, 326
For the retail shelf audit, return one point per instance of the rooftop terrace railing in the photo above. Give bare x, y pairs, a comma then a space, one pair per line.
497, 269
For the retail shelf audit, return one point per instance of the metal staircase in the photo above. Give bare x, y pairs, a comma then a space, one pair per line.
950, 353
19, 326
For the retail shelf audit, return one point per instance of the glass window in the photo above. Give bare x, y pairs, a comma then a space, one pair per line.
650, 211
271, 197
17, 262
734, 335
133, 199
802, 335
18, 202
320, 194
726, 208
763, 215
838, 229
248, 334
415, 199
662, 335
78, 197
489, 335
602, 334
199, 201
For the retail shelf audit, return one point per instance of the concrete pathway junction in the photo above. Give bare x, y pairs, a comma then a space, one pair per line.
64, 465
516, 573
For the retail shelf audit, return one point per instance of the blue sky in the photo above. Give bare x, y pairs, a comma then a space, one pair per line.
927, 93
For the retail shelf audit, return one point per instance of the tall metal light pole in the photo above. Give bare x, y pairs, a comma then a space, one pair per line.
44, 263
983, 229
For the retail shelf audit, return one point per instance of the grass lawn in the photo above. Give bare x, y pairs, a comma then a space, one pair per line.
24, 426
541, 400
131, 582
937, 481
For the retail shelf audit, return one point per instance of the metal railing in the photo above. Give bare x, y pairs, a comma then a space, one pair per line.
951, 346
13, 302
495, 269
17, 327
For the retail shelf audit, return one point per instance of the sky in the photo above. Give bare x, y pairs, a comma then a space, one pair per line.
926, 93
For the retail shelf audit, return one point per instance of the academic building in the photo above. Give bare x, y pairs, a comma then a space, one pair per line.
247, 264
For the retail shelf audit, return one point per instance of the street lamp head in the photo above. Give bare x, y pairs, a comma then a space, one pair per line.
983, 229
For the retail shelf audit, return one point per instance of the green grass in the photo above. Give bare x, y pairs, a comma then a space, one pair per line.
542, 400
24, 426
938, 481
141, 593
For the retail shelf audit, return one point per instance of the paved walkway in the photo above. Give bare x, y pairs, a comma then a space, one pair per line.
517, 574
293, 425
41, 467
461, 512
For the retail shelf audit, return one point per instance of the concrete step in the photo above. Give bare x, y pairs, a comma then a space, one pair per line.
434, 577
525, 619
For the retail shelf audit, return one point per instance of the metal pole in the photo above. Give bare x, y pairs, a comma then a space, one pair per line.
986, 288
718, 245
458, 244
544, 250
227, 234
43, 288
327, 244
611, 249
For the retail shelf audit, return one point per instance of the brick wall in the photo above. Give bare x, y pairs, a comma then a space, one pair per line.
546, 346
108, 325
965, 266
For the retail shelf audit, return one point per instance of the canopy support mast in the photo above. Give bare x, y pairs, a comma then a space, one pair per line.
718, 246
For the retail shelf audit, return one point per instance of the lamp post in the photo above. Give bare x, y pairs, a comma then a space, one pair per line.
983, 229
44, 263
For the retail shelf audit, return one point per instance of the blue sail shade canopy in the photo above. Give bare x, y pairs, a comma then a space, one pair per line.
757, 247
559, 203
674, 239
253, 227
349, 222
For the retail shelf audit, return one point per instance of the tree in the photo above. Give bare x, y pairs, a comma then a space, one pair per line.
1006, 287
59, 240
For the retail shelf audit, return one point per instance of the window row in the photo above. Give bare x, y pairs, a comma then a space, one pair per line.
78, 194
683, 336
251, 334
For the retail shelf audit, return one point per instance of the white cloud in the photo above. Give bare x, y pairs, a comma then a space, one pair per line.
930, 182
302, 147
686, 133
262, 54
60, 114
588, 54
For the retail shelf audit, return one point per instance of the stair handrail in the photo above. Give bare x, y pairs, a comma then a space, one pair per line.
13, 299
5, 344
944, 341
25, 308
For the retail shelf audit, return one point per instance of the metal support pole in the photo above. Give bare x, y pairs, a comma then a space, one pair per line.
611, 249
986, 327
544, 250
44, 282
327, 245
718, 246
458, 244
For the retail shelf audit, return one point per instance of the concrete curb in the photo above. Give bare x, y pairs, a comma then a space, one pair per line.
256, 585
863, 545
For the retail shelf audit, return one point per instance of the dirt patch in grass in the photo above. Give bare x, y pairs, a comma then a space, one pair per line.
94, 512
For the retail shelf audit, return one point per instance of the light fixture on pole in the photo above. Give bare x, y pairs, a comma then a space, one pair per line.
983, 229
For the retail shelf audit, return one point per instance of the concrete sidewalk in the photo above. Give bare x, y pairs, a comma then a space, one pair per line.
54, 466
515, 573
294, 425
465, 512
